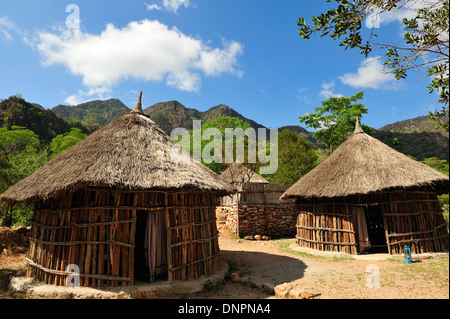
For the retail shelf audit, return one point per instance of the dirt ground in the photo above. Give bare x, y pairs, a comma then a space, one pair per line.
263, 265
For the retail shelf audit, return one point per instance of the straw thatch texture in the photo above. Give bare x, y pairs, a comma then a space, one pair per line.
129, 153
239, 173
362, 165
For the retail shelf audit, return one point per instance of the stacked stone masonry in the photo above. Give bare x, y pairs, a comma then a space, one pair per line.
277, 220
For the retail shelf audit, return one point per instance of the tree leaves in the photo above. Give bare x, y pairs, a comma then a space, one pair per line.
426, 40
335, 119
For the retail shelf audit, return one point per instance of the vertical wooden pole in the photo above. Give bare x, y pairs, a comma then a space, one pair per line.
169, 238
265, 212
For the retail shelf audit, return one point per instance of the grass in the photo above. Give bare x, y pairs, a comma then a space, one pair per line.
284, 246
213, 285
5, 278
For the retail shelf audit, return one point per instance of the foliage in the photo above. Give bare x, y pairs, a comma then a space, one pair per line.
419, 145
336, 119
295, 158
63, 142
93, 112
20, 156
437, 164
425, 39
44, 123
440, 166
395, 141
16, 215
215, 144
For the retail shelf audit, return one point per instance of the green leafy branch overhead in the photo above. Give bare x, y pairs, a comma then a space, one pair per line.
425, 40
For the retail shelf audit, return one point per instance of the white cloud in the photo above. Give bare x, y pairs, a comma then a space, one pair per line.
171, 5
152, 7
101, 93
370, 74
328, 90
301, 96
6, 27
144, 50
409, 11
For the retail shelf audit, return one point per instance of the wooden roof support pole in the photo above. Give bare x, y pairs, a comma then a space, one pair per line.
169, 239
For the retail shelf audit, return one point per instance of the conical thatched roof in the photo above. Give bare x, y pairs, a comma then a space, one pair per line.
131, 152
361, 165
238, 173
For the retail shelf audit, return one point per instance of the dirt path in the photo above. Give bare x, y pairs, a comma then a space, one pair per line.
274, 263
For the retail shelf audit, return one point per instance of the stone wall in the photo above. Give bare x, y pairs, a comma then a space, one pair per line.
14, 239
274, 220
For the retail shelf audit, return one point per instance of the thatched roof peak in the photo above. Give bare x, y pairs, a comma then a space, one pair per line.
363, 165
358, 128
239, 173
138, 105
131, 152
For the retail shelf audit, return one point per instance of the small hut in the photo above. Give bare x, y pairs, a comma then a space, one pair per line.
241, 177
368, 197
255, 208
122, 205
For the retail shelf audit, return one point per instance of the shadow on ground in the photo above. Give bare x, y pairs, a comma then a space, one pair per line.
261, 268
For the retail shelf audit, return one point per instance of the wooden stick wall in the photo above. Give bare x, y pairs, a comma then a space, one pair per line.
410, 218
94, 229
194, 245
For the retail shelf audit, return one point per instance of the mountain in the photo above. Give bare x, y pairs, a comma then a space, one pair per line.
93, 112
173, 114
416, 137
420, 145
170, 115
415, 125
15, 111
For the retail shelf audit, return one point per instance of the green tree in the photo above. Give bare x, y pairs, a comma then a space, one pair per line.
437, 164
440, 166
20, 155
63, 142
209, 143
425, 39
295, 158
395, 141
336, 119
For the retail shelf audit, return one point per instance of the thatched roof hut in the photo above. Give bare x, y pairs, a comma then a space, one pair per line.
121, 208
368, 183
238, 173
241, 177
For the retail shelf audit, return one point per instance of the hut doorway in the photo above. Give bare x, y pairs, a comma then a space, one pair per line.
370, 231
150, 254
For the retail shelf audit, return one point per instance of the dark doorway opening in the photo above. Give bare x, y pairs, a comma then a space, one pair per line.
375, 227
141, 271
150, 257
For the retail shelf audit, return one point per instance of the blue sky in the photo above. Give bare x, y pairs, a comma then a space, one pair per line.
246, 54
